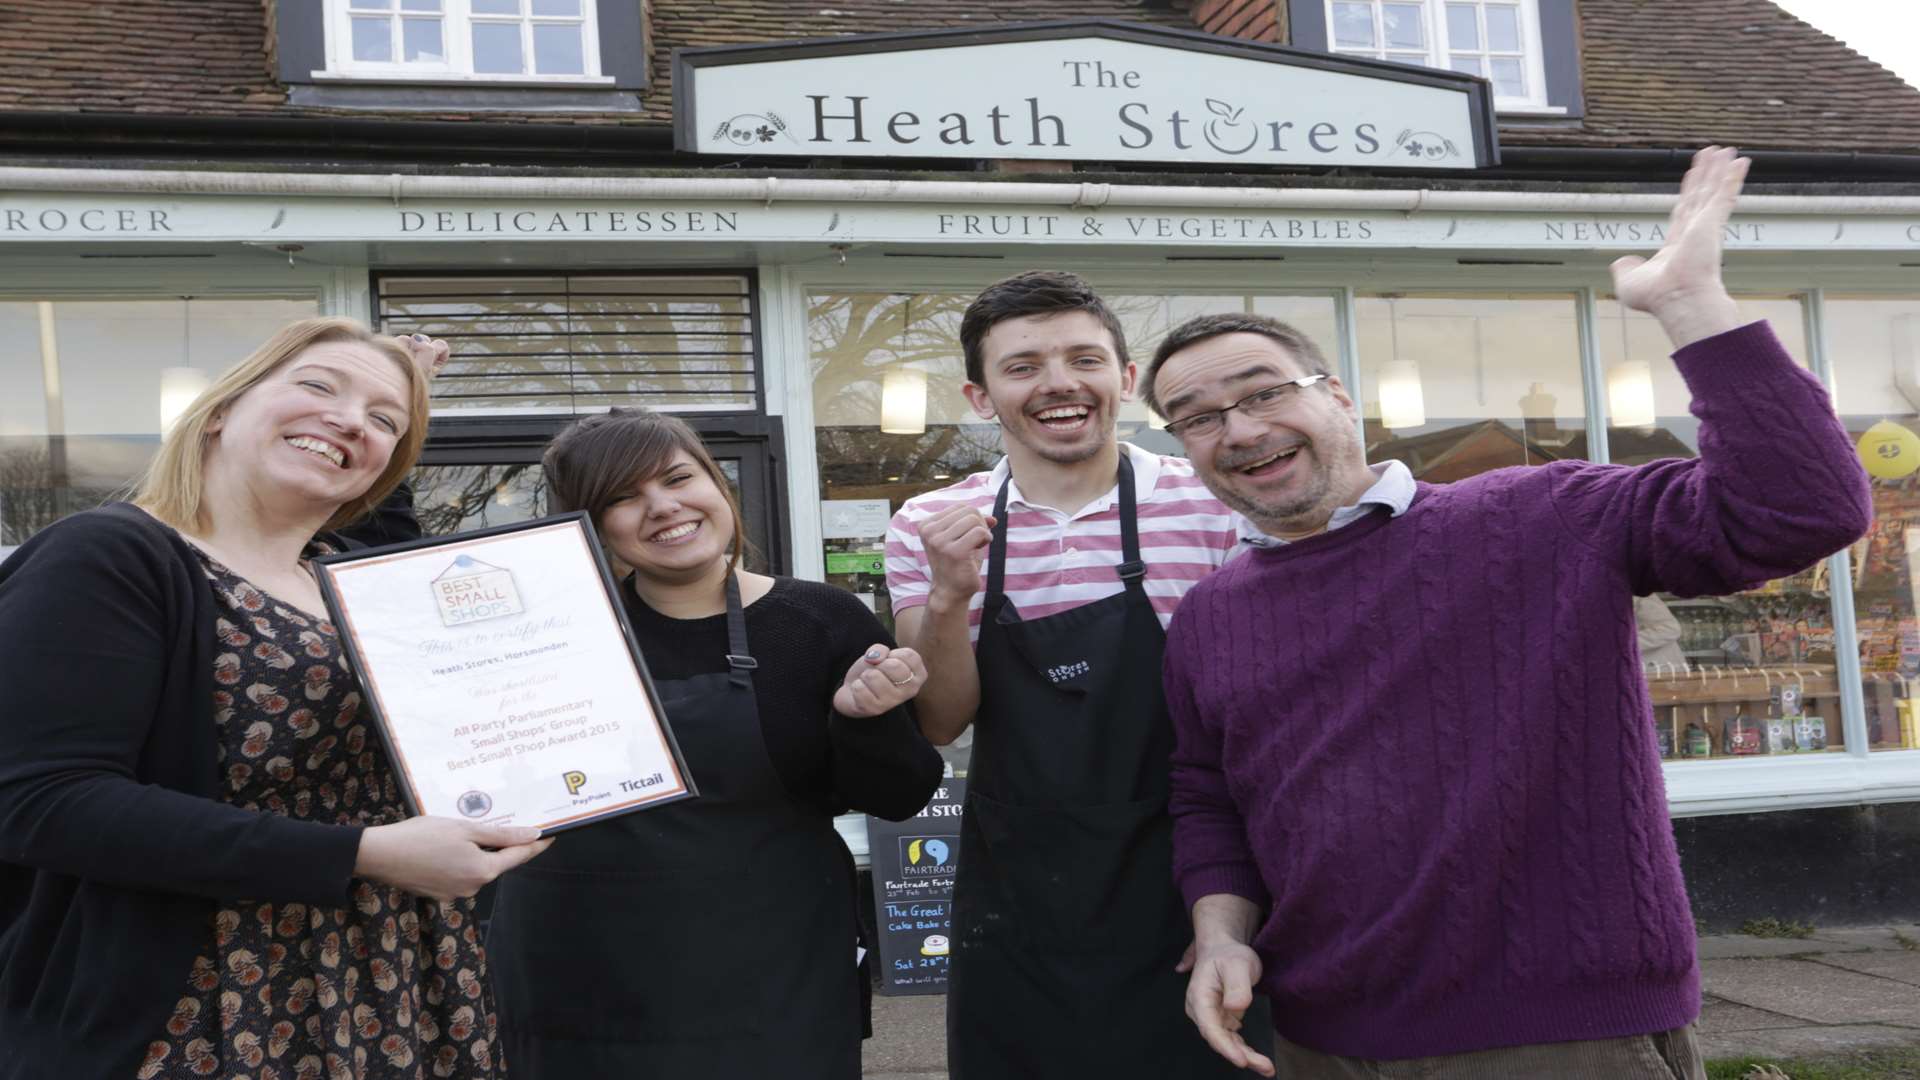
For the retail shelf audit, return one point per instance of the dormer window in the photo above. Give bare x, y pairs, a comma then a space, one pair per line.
484, 40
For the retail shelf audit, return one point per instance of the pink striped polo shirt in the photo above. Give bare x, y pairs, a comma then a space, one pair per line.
1056, 562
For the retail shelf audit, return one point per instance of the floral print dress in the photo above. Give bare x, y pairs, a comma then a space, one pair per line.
393, 986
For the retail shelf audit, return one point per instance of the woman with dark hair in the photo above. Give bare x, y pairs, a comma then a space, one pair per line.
715, 937
205, 867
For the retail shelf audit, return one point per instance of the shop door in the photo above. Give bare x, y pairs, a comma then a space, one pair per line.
478, 474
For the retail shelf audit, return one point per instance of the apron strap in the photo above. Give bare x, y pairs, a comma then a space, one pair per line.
1131, 569
997, 551
738, 659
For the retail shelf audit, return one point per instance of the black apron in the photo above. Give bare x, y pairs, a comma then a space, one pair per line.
712, 938
1067, 922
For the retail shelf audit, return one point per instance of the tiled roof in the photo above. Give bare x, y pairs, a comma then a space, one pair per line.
1687, 72
1656, 73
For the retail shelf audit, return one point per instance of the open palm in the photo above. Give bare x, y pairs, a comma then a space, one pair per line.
1688, 265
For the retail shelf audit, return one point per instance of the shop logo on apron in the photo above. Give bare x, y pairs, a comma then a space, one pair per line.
472, 591
1061, 673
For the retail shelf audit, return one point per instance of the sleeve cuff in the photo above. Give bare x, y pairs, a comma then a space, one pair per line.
1236, 879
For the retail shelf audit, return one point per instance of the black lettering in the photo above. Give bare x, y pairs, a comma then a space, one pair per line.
586, 219
85, 214
443, 221
946, 220
1318, 132
820, 118
125, 218
1076, 65
726, 220
1278, 129
558, 224
526, 225
1295, 230
972, 224
1146, 134
52, 215
899, 120
955, 133
412, 221
1190, 227
16, 221
669, 221
1366, 230
1364, 135
616, 221
696, 221
994, 114
1174, 121
643, 221
1131, 80
1556, 230
1267, 231
157, 221
1059, 128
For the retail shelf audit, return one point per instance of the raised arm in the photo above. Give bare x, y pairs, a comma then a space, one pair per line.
939, 560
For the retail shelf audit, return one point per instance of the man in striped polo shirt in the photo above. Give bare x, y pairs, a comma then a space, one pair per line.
1068, 933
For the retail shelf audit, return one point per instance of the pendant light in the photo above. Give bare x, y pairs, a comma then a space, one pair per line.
1403, 404
179, 386
903, 390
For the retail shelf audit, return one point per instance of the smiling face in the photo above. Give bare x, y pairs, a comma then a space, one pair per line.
1287, 474
316, 431
1055, 382
675, 526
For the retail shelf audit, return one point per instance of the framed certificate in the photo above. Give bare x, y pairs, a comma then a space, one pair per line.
502, 673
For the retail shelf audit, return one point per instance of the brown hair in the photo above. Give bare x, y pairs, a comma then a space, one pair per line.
1201, 327
173, 488
598, 458
1036, 292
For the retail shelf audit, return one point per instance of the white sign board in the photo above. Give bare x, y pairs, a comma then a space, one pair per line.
1077, 91
854, 519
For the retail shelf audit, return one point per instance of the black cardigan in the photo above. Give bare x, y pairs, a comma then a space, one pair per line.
114, 847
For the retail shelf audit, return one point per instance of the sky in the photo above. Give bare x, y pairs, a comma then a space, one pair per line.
1888, 31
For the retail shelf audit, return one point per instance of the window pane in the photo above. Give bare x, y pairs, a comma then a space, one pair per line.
1402, 26
496, 7
84, 386
1875, 344
1353, 26
373, 39
556, 49
1503, 28
496, 49
371, 5
1716, 665
1469, 64
422, 39
1508, 78
1408, 58
1457, 384
419, 5
556, 7
1463, 29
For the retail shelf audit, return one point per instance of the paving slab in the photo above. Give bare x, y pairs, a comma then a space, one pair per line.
1871, 937
909, 1037
1899, 966
1727, 946
1813, 1040
1811, 991
1724, 1016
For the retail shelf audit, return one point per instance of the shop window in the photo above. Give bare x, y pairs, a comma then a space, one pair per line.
1457, 384
581, 343
1524, 48
1736, 676
86, 387
1875, 345
414, 39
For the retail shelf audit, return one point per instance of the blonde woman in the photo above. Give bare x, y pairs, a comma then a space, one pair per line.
205, 868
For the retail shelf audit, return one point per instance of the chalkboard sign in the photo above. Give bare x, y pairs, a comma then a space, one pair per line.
913, 863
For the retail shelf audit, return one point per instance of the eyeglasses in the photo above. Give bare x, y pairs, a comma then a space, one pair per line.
1260, 405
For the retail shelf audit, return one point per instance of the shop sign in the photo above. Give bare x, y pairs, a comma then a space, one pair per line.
913, 863
273, 220
1081, 90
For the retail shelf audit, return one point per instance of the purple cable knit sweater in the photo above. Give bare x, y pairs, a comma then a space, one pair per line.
1423, 744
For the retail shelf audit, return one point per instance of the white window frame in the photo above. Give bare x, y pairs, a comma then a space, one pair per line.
1439, 51
456, 28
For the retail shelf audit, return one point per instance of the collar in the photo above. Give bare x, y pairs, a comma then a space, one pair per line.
1393, 488
1146, 475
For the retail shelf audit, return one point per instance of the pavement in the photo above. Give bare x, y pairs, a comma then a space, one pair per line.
1835, 991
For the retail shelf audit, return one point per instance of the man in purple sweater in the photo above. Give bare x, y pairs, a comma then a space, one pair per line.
1416, 793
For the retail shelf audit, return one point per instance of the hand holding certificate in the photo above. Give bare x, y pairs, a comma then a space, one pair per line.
504, 676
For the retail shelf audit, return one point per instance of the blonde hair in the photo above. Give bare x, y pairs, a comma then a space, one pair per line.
173, 489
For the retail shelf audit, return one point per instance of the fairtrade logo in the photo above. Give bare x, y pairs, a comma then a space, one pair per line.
574, 779
749, 129
1225, 132
934, 851
475, 804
